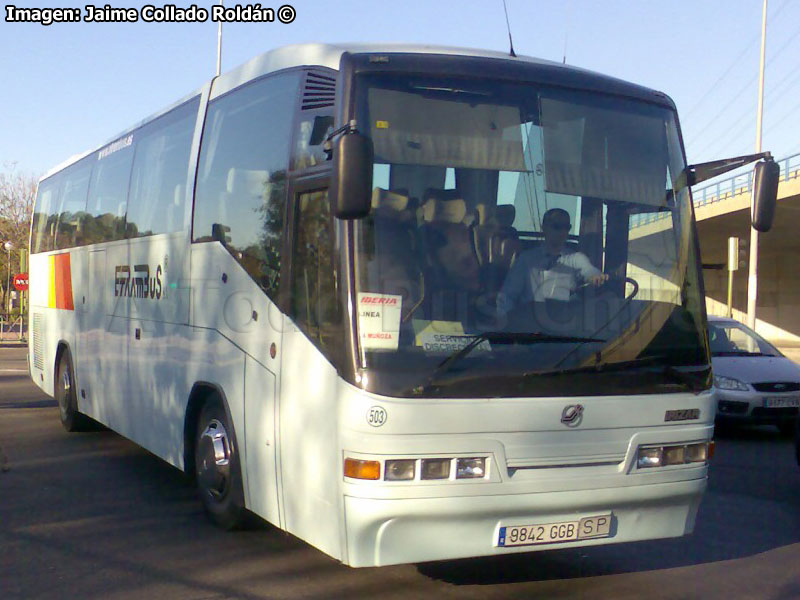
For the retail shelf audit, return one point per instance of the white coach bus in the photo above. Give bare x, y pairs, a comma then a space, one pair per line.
332, 285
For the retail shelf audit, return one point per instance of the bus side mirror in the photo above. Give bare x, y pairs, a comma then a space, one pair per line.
352, 176
765, 194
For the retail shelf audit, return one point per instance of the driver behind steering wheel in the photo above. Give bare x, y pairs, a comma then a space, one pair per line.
551, 271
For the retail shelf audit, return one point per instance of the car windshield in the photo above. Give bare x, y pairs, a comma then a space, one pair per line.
547, 221
734, 339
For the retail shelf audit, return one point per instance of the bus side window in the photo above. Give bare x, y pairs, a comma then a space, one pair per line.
72, 205
44, 214
313, 296
240, 198
160, 169
313, 129
315, 122
108, 193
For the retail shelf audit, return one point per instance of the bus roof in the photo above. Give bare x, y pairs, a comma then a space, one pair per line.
329, 55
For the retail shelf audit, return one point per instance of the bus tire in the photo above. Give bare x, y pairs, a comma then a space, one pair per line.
66, 395
217, 468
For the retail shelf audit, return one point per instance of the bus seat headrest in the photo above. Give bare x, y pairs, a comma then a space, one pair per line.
445, 211
388, 200
505, 214
482, 213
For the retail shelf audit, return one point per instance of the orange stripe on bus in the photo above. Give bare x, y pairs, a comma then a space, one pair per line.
63, 281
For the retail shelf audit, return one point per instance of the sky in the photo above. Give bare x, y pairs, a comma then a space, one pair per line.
69, 87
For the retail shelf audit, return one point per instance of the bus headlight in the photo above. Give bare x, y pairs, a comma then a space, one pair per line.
399, 470
470, 468
429, 470
699, 452
649, 457
674, 454
436, 468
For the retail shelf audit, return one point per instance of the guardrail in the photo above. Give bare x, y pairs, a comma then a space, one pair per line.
13, 327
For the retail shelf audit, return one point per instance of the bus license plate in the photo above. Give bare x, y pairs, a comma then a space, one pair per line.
781, 401
549, 533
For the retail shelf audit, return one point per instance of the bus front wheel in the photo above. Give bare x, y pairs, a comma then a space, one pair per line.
217, 470
66, 395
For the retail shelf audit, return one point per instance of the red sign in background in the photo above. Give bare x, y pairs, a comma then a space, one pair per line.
20, 282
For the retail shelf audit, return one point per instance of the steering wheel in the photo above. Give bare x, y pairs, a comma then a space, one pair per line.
635, 285
630, 280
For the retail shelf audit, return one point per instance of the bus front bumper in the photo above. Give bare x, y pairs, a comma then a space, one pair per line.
392, 531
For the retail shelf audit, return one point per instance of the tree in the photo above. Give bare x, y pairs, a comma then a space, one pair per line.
17, 197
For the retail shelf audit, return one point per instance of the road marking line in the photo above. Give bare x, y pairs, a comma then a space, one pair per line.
13, 370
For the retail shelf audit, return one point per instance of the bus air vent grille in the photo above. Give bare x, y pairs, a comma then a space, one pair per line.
560, 462
319, 92
38, 343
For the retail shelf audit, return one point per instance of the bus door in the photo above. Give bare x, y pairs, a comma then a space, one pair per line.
92, 306
158, 299
109, 335
313, 342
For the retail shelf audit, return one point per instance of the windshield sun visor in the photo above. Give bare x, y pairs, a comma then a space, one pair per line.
603, 152
413, 129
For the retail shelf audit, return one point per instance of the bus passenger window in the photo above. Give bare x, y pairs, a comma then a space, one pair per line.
108, 192
44, 215
160, 169
241, 176
72, 210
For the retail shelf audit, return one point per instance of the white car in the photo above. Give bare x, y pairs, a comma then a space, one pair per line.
755, 383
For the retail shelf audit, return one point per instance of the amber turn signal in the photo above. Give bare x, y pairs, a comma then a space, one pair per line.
362, 469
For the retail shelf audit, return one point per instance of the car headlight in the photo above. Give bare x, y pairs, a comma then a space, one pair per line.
729, 383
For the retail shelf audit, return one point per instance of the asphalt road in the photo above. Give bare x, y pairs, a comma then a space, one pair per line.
91, 515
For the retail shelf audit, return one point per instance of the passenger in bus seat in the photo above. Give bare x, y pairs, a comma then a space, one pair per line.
481, 231
551, 271
496, 243
505, 238
452, 261
395, 262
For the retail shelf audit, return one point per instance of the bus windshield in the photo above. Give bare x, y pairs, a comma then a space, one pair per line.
524, 240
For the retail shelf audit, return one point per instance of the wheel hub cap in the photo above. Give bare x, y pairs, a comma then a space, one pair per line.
214, 459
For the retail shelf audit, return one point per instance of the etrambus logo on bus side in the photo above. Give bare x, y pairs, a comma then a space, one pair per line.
136, 282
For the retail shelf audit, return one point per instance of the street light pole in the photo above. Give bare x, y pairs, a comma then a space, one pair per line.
219, 44
752, 271
8, 247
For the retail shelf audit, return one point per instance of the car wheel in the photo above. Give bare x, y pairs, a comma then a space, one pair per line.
217, 469
66, 397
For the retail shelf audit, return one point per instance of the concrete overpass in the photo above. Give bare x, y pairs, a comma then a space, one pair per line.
722, 210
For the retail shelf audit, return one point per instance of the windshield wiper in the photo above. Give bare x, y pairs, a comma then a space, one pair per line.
498, 337
599, 367
691, 382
